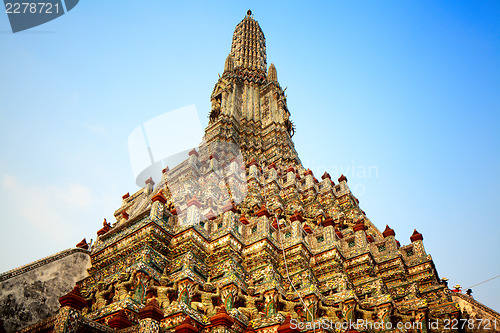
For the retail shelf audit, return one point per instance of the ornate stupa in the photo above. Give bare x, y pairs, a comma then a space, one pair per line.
242, 238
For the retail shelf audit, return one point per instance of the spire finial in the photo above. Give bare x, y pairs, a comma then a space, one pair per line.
248, 48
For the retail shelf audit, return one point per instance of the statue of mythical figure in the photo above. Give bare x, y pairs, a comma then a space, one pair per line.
123, 286
162, 291
216, 110
250, 309
101, 295
363, 314
290, 127
330, 311
289, 307
206, 305
399, 316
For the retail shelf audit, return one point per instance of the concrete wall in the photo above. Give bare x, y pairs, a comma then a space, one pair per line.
30, 293
477, 311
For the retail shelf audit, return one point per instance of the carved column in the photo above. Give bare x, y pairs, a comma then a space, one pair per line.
193, 214
67, 320
158, 206
120, 320
186, 326
150, 317
418, 243
221, 322
70, 312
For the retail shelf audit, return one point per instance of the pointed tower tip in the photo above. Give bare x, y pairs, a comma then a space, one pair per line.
388, 231
229, 64
272, 75
248, 48
416, 236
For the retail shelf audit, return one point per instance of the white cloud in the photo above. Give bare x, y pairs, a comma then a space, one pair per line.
50, 209
76, 195
96, 128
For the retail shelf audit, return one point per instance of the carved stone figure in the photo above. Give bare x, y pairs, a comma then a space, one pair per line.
250, 309
123, 286
216, 109
289, 307
330, 311
364, 314
163, 293
207, 295
101, 296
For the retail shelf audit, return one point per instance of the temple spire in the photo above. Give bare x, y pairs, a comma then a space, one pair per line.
249, 106
248, 48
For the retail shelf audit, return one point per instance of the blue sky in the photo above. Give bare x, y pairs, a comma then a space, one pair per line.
402, 97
